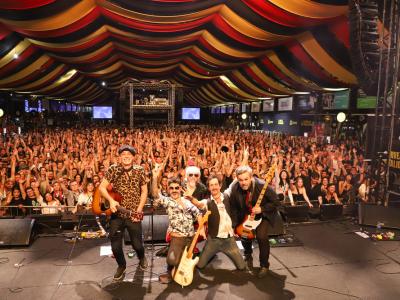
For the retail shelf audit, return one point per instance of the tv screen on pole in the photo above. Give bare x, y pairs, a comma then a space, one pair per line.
366, 102
102, 112
336, 100
268, 105
305, 102
285, 104
191, 113
255, 106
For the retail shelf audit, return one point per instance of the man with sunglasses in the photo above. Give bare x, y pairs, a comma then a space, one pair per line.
129, 181
181, 214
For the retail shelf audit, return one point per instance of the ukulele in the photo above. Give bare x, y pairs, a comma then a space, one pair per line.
246, 228
183, 274
101, 206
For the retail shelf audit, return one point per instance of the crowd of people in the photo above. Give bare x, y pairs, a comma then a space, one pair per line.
230, 174
58, 170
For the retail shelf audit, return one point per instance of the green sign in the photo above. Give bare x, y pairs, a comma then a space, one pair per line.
367, 102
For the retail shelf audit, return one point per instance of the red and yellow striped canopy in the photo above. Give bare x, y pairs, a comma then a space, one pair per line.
220, 50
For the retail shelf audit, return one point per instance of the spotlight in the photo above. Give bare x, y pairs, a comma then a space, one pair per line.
103, 83
244, 116
341, 117
15, 55
1, 112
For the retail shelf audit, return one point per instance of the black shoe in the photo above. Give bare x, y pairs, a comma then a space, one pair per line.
143, 264
249, 261
119, 274
263, 272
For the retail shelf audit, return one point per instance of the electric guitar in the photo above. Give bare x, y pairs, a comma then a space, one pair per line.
101, 206
183, 274
246, 229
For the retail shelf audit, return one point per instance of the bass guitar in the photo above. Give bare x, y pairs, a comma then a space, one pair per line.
246, 228
101, 205
183, 274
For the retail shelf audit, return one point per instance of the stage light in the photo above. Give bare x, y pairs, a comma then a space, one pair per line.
341, 117
244, 116
15, 55
103, 83
1, 112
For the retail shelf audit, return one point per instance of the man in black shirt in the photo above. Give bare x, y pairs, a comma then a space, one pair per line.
243, 195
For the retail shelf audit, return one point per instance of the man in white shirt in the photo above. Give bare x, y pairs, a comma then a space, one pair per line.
220, 232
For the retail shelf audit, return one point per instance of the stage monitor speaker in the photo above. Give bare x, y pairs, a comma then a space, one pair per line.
278, 228
297, 213
16, 232
160, 226
331, 211
371, 215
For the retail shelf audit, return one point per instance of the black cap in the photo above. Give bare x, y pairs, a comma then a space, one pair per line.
127, 148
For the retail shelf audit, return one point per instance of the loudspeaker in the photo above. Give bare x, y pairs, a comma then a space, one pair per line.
371, 215
278, 228
160, 226
297, 213
46, 223
331, 211
16, 232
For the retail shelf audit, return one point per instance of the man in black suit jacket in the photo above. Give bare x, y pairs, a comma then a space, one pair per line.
243, 194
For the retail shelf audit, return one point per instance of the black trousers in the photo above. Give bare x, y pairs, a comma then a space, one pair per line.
117, 228
263, 243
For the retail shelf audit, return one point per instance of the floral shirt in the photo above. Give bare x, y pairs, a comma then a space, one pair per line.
181, 219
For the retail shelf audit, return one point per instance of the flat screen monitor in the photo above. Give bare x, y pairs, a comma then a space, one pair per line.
236, 108
245, 107
213, 110
285, 104
305, 102
190, 113
268, 105
223, 109
336, 100
366, 102
102, 112
33, 105
229, 110
255, 106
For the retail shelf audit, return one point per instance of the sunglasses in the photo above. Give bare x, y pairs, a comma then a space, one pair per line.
176, 188
195, 175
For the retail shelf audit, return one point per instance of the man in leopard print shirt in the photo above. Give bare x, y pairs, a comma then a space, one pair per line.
129, 181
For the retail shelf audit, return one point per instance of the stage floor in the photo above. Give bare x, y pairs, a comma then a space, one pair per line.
333, 263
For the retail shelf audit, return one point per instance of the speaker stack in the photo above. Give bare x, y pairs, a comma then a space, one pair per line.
16, 232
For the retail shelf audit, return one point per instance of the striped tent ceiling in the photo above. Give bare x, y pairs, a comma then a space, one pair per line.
219, 50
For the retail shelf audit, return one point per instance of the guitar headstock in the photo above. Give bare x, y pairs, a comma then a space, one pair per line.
271, 173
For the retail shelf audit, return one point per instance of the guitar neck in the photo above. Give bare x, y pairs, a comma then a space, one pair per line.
268, 179
196, 236
193, 244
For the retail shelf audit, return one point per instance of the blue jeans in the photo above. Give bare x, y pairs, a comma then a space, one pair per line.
227, 246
